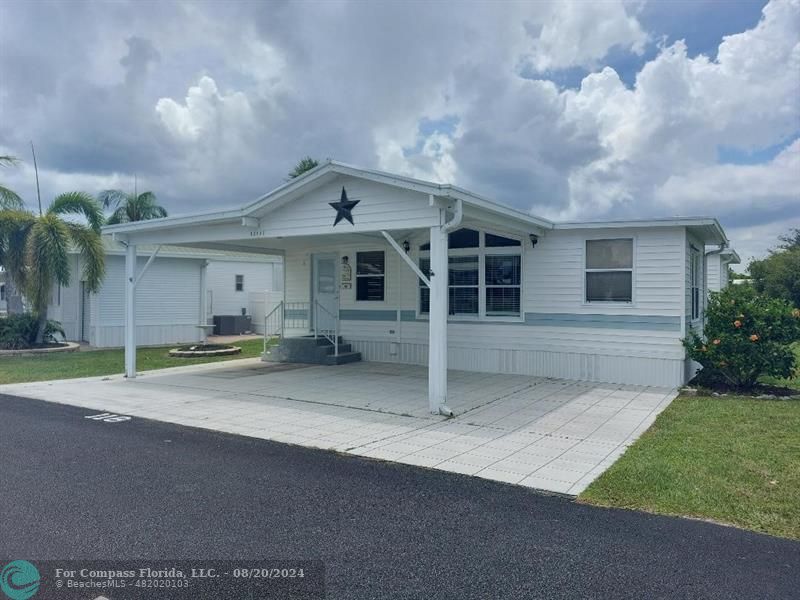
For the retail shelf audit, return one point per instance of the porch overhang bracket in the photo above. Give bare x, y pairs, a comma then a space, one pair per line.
146, 265
406, 258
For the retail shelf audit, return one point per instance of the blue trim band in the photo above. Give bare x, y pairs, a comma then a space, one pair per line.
367, 315
632, 322
649, 322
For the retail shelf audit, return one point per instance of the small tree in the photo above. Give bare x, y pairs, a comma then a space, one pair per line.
303, 165
746, 335
778, 275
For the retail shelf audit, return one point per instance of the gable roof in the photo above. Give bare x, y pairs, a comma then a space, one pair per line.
324, 173
708, 228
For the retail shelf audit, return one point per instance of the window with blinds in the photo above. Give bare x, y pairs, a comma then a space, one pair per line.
370, 276
484, 275
503, 285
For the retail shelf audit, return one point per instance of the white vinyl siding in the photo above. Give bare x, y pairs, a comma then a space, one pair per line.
552, 283
167, 298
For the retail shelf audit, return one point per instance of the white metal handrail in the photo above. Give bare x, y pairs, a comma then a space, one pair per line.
277, 324
331, 335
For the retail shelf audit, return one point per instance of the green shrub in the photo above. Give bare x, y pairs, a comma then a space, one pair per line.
746, 335
19, 331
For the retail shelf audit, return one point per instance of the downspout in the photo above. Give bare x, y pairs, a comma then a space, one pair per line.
457, 217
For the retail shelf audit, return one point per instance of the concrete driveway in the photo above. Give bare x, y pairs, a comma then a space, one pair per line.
549, 434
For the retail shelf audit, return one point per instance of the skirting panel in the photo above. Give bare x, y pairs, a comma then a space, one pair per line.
661, 372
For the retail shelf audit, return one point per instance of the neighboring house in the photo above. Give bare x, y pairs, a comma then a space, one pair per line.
181, 289
718, 261
422, 273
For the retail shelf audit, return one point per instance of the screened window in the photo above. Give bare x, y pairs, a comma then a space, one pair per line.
370, 276
609, 270
239, 283
484, 275
503, 285
694, 275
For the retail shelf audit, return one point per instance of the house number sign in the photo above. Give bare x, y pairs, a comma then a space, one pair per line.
346, 275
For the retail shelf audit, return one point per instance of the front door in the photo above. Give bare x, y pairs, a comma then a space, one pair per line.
324, 293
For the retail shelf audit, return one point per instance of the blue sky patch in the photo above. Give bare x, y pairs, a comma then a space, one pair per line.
744, 156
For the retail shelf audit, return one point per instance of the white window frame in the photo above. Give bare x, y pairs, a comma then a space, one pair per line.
482, 251
632, 269
356, 275
236, 282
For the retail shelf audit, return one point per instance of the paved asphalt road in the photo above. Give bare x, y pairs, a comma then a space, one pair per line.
76, 488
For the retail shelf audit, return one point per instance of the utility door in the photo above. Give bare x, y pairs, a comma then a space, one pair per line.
325, 292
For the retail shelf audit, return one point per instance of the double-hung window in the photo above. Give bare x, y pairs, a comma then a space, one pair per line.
609, 270
370, 276
484, 275
239, 283
694, 276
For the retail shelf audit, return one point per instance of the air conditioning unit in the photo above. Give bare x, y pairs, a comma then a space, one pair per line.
232, 324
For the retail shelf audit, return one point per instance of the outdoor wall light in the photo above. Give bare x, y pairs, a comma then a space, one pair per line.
406, 246
534, 239
345, 260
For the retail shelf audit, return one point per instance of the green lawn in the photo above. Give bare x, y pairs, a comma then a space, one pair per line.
730, 459
44, 367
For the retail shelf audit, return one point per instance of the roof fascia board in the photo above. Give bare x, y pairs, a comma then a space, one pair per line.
499, 209
176, 221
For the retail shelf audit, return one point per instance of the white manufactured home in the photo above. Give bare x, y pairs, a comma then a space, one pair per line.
182, 289
718, 261
407, 271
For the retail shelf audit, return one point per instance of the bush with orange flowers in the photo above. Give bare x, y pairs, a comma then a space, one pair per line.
745, 336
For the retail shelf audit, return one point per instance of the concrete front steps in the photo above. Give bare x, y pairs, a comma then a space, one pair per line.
311, 350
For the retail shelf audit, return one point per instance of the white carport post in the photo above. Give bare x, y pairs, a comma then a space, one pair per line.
130, 311
437, 325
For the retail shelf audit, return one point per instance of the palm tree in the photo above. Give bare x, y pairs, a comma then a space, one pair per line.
9, 200
35, 249
131, 207
303, 165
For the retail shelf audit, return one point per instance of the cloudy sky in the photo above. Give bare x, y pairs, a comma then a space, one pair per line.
571, 110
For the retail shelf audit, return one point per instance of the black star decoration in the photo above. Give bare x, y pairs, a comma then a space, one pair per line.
344, 208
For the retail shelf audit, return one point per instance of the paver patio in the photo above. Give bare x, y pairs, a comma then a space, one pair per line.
549, 434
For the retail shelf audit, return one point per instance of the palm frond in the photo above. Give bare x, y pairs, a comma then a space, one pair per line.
137, 208
113, 198
10, 200
120, 215
46, 248
14, 228
7, 160
78, 203
90, 244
